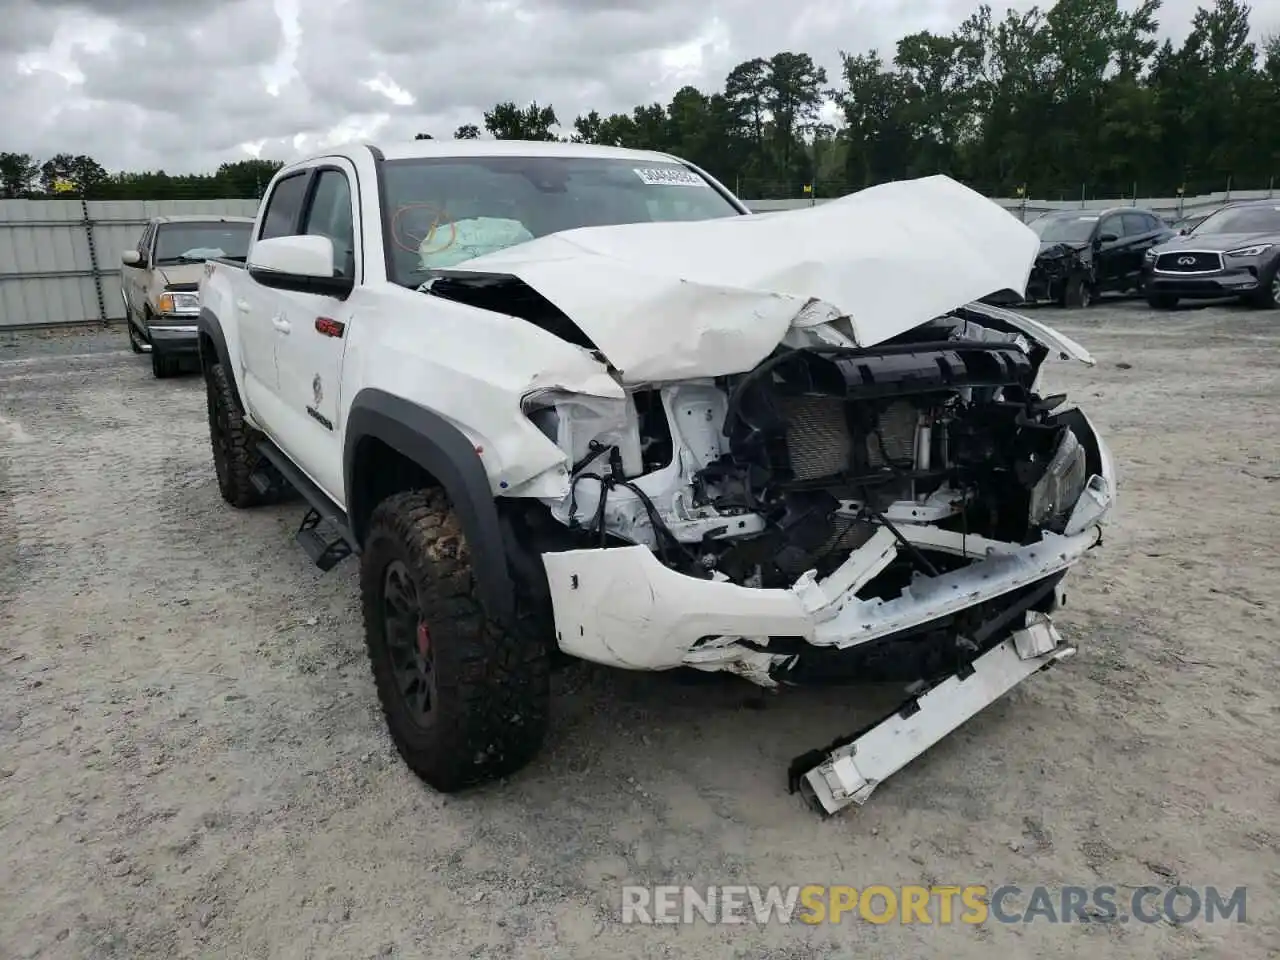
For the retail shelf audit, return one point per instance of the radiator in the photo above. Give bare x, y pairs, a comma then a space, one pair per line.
819, 443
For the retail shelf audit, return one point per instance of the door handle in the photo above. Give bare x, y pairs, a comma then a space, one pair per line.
242, 306
281, 324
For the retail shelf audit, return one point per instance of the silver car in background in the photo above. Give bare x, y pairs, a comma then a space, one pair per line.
1233, 252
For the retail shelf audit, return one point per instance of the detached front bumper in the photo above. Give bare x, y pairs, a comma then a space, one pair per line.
622, 607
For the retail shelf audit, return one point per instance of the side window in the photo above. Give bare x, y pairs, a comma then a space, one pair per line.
283, 207
330, 216
1136, 224
1111, 224
144, 242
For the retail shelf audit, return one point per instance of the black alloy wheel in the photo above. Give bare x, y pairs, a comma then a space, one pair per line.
408, 638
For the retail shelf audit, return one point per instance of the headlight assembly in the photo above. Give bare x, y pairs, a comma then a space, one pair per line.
573, 420
179, 302
1253, 251
1053, 497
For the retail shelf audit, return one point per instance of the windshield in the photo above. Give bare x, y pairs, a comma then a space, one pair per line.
195, 241
1064, 229
441, 211
1263, 218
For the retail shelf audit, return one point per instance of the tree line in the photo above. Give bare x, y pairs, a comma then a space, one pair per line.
1077, 100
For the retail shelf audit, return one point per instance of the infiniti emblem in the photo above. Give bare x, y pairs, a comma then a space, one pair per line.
1186, 261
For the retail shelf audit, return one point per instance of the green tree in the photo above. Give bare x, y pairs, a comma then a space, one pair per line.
18, 173
506, 121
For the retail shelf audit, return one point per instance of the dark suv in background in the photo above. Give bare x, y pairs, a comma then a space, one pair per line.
1084, 253
1233, 252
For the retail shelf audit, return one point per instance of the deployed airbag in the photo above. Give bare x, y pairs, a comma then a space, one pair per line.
455, 241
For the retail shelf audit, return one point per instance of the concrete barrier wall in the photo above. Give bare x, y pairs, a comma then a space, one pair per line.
60, 259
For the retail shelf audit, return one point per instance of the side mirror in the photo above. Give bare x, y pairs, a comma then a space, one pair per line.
131, 258
1182, 231
303, 264
1107, 238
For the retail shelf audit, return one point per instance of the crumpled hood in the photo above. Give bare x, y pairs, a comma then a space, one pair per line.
666, 301
1052, 249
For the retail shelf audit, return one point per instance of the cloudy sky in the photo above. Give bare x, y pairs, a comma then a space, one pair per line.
183, 86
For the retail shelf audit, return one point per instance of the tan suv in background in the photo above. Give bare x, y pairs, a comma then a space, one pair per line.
160, 279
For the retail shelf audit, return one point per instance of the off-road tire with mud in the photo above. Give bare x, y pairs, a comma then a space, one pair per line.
490, 685
234, 442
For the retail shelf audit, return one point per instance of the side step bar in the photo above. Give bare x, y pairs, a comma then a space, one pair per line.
847, 774
325, 549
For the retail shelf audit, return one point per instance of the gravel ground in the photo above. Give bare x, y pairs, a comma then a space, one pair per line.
192, 762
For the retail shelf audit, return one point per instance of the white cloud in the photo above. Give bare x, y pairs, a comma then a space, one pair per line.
154, 84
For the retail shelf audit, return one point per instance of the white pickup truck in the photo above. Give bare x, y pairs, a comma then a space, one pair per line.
562, 398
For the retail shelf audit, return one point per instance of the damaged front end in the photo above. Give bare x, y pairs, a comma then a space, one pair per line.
1055, 268
904, 512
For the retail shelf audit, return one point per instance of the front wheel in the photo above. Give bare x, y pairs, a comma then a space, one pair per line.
1078, 293
136, 343
234, 442
466, 700
1268, 294
163, 366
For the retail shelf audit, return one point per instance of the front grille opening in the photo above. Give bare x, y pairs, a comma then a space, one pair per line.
1189, 262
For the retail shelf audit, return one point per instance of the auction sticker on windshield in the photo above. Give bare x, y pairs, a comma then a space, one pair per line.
669, 177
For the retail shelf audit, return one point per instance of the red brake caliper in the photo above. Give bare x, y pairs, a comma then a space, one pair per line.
424, 639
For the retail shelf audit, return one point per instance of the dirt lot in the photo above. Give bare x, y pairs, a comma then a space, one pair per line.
192, 762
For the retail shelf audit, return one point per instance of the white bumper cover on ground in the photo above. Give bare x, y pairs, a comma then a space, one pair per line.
850, 772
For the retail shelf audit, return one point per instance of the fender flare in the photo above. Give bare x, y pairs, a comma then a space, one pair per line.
439, 448
208, 326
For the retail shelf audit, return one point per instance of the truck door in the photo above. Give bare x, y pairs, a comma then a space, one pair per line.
310, 352
133, 278
260, 310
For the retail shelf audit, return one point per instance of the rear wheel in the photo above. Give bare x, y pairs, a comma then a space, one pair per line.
466, 700
1162, 301
234, 442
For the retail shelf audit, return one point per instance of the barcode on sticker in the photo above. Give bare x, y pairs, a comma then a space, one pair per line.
669, 177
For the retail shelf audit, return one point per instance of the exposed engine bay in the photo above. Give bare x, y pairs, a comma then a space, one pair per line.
760, 477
